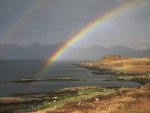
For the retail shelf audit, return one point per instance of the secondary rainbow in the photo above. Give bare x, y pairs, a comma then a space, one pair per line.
113, 13
9, 36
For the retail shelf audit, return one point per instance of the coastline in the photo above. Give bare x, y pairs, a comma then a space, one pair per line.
126, 69
74, 97
87, 97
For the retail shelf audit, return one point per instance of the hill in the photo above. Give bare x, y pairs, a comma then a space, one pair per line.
115, 64
38, 51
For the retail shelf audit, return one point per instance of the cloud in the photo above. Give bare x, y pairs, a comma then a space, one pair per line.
58, 20
144, 41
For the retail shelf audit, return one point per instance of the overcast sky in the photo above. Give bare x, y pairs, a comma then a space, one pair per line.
55, 21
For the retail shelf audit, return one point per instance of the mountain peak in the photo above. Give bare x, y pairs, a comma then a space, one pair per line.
119, 47
36, 44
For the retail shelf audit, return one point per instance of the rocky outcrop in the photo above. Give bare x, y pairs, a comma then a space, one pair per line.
111, 57
115, 64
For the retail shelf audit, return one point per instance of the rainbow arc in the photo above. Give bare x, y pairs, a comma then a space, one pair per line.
83, 33
113, 13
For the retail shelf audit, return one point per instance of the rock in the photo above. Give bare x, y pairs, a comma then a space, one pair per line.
55, 97
79, 103
96, 99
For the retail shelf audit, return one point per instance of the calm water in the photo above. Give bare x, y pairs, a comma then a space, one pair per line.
28, 69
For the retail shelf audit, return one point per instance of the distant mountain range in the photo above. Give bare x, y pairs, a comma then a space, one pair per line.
38, 51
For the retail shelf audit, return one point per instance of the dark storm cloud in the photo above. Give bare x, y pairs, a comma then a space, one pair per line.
11, 11
58, 20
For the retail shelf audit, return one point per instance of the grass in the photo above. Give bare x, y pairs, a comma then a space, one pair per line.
101, 100
121, 66
121, 101
95, 99
52, 100
143, 79
83, 95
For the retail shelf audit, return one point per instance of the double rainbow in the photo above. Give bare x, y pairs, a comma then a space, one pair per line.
9, 36
113, 13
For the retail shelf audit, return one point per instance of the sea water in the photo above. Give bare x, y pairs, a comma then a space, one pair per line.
11, 70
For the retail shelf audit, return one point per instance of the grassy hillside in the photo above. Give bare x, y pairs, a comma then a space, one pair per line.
114, 64
96, 100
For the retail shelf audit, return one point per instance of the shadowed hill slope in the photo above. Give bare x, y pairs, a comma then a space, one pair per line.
38, 51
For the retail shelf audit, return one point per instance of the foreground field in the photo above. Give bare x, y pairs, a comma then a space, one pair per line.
124, 100
83, 100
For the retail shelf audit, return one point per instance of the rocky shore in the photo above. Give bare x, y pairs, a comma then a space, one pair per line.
90, 99
42, 80
115, 64
123, 100
127, 69
86, 99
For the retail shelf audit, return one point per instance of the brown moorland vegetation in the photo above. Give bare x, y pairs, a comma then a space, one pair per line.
135, 100
94, 99
115, 64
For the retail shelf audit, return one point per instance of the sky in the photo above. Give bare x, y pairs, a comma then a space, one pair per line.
56, 21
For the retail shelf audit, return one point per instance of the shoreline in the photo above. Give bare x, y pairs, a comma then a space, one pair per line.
85, 97
54, 101
45, 99
126, 69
